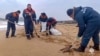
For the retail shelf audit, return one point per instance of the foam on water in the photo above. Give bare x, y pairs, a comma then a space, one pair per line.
3, 25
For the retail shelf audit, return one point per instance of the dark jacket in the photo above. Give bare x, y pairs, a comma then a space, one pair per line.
41, 19
27, 17
51, 21
84, 16
13, 17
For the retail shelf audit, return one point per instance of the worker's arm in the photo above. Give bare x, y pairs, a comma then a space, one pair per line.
81, 24
17, 19
34, 17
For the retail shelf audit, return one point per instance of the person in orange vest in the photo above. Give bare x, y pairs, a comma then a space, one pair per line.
29, 17
12, 19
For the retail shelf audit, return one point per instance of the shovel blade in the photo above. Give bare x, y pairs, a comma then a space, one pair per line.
66, 49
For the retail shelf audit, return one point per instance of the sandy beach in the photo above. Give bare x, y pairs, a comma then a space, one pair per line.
43, 46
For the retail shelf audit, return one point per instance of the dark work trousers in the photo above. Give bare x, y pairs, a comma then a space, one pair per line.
92, 31
28, 28
12, 27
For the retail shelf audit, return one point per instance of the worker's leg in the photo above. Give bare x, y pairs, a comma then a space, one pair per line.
88, 33
27, 29
31, 29
96, 40
13, 27
8, 30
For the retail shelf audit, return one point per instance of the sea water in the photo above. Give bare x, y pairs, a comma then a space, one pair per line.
3, 24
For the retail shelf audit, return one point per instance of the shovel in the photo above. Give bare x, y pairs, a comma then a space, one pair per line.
15, 23
35, 28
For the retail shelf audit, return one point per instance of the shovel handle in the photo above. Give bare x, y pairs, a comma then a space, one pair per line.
34, 27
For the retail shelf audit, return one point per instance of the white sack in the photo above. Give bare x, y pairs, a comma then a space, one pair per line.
43, 26
55, 31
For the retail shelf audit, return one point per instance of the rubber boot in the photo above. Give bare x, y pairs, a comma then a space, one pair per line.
80, 49
13, 36
32, 35
7, 34
13, 33
96, 47
28, 37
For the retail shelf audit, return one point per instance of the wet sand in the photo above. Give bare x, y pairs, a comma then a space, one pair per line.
44, 46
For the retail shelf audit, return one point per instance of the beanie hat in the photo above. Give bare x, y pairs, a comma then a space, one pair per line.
18, 11
69, 12
43, 13
28, 4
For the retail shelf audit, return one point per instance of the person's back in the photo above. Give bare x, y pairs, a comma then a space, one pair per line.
89, 14
51, 22
12, 17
